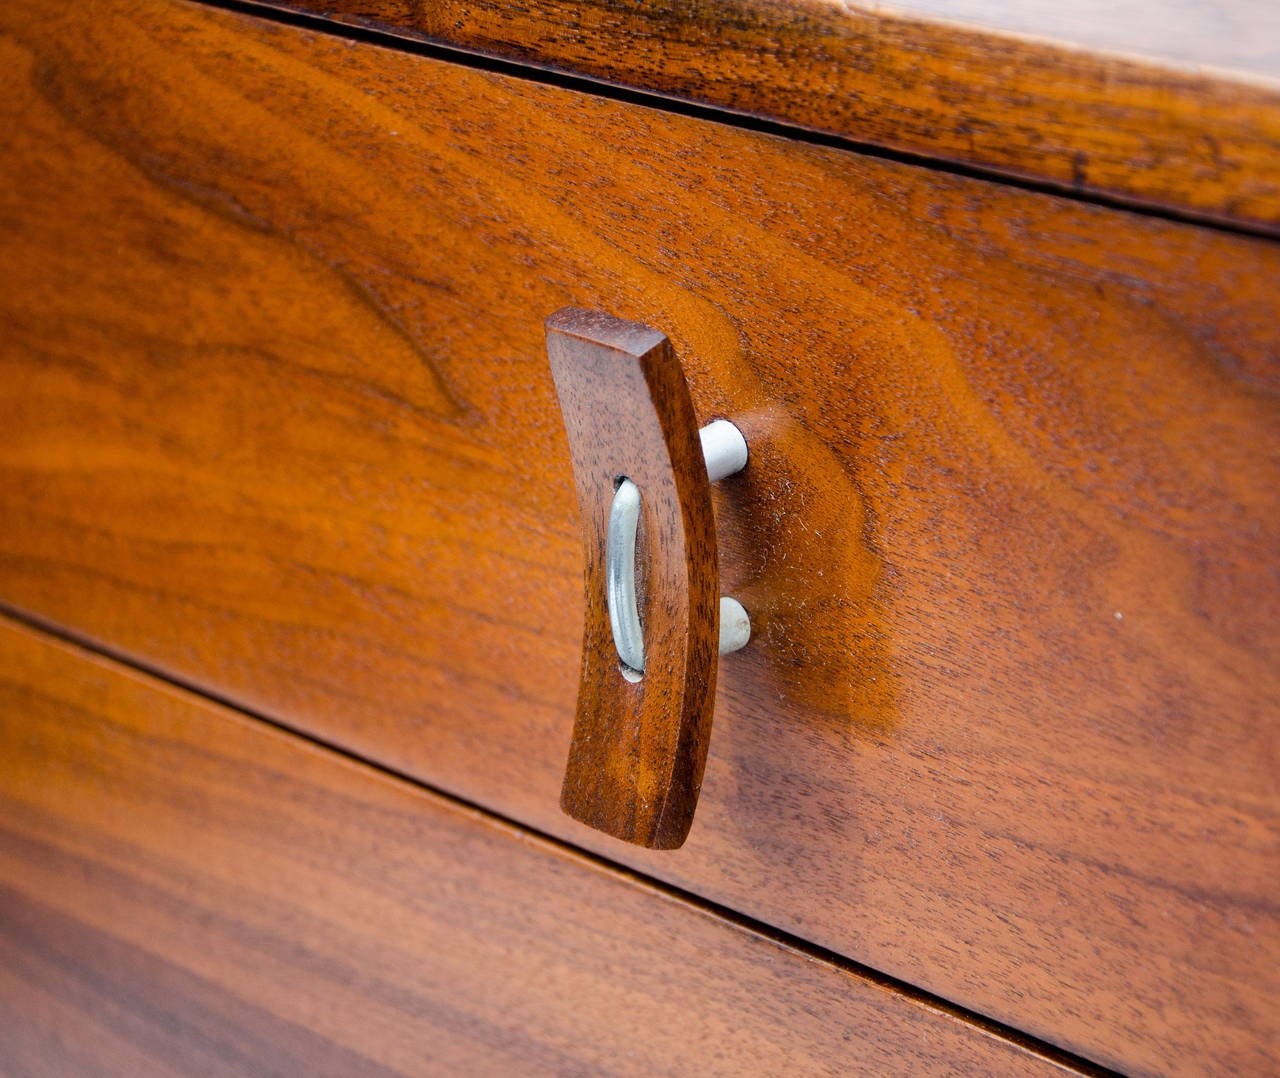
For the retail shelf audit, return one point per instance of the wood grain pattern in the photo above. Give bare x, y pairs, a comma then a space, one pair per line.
1171, 134
183, 891
639, 744
274, 378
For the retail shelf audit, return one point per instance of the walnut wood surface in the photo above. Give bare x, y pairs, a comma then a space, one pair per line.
278, 420
186, 892
1166, 130
639, 747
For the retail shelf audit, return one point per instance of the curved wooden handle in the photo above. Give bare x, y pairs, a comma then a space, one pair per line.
639, 746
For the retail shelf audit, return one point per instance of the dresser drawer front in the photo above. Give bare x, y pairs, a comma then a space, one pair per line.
279, 424
199, 894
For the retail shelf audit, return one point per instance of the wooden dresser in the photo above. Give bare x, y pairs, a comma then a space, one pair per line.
291, 561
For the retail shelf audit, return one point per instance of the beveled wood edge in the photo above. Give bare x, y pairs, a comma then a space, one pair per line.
1198, 144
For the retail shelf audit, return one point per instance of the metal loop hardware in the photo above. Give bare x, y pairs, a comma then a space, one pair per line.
620, 579
725, 452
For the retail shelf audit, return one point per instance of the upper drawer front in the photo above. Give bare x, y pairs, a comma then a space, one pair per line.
1181, 111
278, 421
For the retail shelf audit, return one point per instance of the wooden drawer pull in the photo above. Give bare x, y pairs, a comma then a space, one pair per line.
655, 620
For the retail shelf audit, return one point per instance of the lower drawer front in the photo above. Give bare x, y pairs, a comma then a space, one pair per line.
184, 891
278, 422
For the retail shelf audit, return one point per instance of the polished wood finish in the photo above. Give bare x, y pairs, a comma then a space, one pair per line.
275, 381
183, 891
1195, 126
639, 745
